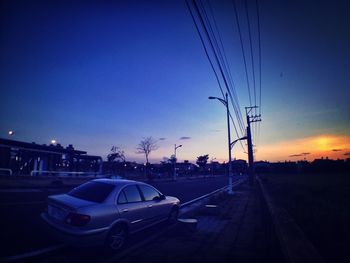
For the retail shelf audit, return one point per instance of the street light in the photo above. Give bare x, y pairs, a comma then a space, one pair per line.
175, 147
11, 132
53, 141
225, 102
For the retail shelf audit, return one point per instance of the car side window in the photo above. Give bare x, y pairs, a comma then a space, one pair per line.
122, 198
149, 193
132, 194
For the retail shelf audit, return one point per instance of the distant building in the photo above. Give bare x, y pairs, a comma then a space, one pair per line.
23, 158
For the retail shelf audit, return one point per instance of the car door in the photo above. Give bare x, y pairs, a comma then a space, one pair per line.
156, 208
132, 208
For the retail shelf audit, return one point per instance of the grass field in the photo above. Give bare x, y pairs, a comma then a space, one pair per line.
320, 204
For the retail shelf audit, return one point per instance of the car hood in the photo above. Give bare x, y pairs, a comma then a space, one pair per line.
68, 202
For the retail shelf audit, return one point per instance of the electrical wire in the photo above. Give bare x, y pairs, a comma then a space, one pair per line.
228, 70
205, 49
242, 49
222, 60
212, 47
259, 45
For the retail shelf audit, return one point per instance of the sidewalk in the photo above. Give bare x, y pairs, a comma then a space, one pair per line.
238, 233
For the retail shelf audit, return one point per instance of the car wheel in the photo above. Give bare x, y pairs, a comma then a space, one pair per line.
117, 238
174, 213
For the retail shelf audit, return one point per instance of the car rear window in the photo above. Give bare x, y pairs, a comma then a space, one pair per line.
92, 191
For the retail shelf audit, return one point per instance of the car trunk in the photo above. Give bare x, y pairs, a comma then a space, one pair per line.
59, 206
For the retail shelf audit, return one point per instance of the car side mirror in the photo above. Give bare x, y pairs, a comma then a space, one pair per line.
159, 198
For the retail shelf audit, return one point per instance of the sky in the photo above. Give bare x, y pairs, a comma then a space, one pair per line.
101, 73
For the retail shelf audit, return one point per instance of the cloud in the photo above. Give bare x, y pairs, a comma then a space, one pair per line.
321, 145
185, 138
299, 154
295, 155
347, 154
337, 150
162, 139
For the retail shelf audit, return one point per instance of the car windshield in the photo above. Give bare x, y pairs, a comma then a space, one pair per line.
92, 191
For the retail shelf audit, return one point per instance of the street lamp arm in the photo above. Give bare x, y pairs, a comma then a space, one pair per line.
219, 99
239, 139
178, 146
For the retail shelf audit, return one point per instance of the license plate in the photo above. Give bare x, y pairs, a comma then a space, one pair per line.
56, 212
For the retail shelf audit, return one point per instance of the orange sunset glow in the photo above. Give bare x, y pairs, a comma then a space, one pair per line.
309, 148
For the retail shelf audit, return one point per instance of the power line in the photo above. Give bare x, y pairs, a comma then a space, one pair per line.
236, 132
224, 64
213, 49
205, 49
242, 48
212, 46
251, 49
228, 68
259, 44
252, 60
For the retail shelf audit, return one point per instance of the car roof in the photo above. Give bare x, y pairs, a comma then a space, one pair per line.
119, 182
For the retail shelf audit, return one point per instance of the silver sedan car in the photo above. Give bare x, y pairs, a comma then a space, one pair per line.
106, 211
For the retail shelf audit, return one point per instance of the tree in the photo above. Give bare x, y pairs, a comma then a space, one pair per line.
202, 160
116, 154
146, 146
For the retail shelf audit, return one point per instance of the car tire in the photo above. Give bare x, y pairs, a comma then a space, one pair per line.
173, 215
117, 238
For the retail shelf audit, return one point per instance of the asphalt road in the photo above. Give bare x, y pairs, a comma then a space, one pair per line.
22, 229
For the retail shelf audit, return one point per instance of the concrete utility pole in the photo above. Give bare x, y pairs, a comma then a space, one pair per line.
225, 102
175, 147
251, 118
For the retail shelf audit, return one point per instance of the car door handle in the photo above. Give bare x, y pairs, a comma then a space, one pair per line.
149, 206
125, 210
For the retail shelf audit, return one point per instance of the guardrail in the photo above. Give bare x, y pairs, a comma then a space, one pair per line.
63, 173
6, 170
295, 246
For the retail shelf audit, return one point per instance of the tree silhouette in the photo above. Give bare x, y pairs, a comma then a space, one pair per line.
146, 146
115, 154
202, 160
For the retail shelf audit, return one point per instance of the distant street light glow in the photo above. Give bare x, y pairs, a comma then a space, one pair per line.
11, 133
53, 141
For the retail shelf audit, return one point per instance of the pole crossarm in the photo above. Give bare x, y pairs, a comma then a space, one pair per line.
255, 118
252, 118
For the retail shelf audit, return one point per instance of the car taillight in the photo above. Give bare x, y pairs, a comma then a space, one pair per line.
75, 219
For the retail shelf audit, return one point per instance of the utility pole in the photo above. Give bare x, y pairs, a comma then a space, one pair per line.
230, 179
250, 119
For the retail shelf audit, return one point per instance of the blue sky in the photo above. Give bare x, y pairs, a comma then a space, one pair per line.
97, 74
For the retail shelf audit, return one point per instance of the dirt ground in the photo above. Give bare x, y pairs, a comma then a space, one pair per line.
319, 203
